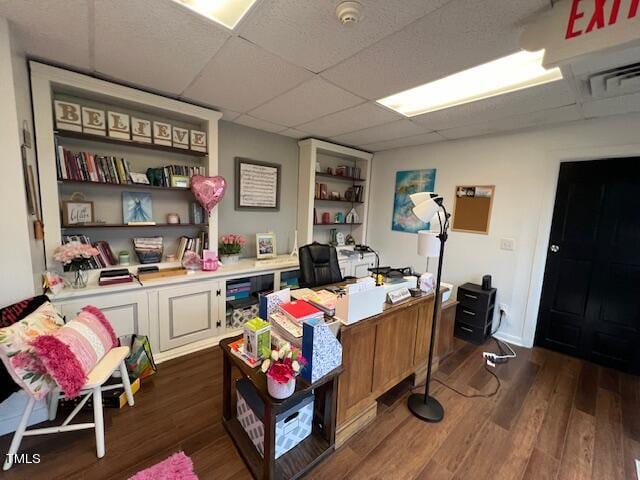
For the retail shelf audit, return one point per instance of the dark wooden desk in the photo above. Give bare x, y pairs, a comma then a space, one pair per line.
304, 456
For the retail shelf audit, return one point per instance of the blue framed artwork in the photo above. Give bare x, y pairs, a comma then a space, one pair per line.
407, 183
136, 207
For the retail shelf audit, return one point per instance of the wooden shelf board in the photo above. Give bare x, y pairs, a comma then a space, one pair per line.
293, 464
122, 185
341, 178
128, 143
112, 225
337, 201
336, 224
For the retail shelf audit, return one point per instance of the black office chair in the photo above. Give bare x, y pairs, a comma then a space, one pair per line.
318, 265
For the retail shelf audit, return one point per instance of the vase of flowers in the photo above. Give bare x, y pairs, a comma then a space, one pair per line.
281, 367
75, 257
229, 248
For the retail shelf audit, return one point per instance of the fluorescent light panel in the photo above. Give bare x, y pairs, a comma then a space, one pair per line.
508, 74
225, 12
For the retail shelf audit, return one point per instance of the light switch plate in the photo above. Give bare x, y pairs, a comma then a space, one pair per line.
507, 244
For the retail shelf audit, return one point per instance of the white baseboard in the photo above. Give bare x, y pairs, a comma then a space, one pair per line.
513, 339
192, 347
11, 411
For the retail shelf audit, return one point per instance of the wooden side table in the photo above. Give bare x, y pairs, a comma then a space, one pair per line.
304, 456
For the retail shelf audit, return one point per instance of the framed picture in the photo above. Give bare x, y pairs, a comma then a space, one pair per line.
257, 185
180, 181
472, 210
265, 245
407, 183
136, 207
76, 212
139, 178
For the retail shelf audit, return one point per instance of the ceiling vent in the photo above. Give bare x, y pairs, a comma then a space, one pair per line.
615, 82
349, 13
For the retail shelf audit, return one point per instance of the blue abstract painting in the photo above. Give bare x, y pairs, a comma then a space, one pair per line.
407, 183
136, 207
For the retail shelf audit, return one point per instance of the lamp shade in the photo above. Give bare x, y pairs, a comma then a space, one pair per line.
425, 210
428, 244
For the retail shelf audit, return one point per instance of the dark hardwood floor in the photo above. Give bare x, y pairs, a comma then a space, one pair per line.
555, 417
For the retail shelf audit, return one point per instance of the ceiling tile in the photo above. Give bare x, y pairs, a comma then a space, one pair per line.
314, 98
293, 133
350, 120
381, 133
158, 44
309, 33
514, 122
56, 30
229, 115
460, 35
422, 139
542, 97
242, 76
252, 122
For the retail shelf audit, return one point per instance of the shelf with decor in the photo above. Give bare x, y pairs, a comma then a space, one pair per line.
93, 138
126, 143
327, 170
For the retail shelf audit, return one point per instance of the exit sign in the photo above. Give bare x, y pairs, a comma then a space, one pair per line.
573, 28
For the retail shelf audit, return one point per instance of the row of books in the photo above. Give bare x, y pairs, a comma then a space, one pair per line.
194, 244
161, 176
354, 194
105, 257
347, 171
90, 167
114, 277
238, 290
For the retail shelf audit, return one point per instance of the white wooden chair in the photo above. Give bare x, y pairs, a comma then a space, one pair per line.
111, 362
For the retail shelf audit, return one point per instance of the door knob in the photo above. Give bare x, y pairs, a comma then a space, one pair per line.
555, 248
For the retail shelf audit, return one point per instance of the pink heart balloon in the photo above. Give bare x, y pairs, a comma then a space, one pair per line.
208, 190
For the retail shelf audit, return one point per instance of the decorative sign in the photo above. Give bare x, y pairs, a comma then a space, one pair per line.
162, 133
76, 212
119, 125
573, 28
198, 141
180, 137
257, 185
140, 130
93, 121
68, 116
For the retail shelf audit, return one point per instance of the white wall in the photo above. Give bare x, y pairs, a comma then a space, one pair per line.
17, 280
524, 168
240, 141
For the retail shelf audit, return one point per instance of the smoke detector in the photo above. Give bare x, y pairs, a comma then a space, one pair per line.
349, 13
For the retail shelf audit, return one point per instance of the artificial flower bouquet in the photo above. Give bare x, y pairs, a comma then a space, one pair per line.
281, 367
76, 255
231, 244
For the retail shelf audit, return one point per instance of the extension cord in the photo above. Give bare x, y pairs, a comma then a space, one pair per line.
495, 359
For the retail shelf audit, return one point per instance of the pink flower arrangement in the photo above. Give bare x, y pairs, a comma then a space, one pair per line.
231, 244
284, 364
75, 254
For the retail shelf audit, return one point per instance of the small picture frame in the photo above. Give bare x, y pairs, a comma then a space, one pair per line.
77, 212
265, 245
139, 178
180, 181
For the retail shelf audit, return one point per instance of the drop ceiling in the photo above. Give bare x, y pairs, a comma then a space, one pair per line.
291, 68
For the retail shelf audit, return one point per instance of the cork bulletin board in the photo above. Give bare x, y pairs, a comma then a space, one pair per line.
472, 210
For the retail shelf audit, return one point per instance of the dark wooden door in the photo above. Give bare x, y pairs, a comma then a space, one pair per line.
590, 305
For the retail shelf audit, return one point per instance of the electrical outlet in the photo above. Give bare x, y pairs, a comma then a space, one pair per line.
504, 308
507, 244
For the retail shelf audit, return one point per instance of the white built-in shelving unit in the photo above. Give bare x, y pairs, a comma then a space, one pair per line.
51, 83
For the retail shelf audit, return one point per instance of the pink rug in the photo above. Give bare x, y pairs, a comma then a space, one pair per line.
177, 467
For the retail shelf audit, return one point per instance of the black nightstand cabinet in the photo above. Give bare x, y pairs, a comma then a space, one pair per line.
474, 313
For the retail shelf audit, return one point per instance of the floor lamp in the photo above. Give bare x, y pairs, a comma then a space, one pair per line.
429, 206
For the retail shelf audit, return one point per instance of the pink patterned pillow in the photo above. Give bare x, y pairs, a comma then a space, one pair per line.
71, 352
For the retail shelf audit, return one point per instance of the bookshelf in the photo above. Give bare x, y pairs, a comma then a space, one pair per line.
51, 83
331, 156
